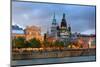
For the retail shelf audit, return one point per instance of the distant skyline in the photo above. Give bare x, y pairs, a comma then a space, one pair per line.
81, 18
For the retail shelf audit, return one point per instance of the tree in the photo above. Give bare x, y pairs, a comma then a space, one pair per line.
27, 44
34, 43
18, 42
59, 44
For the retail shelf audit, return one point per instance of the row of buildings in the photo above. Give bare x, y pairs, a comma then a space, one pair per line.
58, 32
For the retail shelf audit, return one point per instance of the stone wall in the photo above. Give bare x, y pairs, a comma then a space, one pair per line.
53, 54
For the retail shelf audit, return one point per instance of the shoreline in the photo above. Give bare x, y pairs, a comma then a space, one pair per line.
53, 54
54, 60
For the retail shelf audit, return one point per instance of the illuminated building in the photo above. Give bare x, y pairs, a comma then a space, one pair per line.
29, 33
88, 40
60, 32
33, 32
65, 31
54, 27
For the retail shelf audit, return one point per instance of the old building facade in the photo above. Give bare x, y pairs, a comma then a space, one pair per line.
33, 32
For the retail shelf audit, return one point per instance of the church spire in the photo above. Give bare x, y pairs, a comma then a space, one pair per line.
63, 15
63, 22
54, 20
54, 16
69, 28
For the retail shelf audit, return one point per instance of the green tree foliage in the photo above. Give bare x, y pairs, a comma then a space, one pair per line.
18, 42
59, 44
46, 43
27, 44
34, 43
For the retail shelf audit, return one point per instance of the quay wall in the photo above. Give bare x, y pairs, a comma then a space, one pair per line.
53, 54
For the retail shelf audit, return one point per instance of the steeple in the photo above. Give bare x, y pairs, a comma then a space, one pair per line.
54, 27
63, 15
54, 20
54, 16
63, 22
69, 28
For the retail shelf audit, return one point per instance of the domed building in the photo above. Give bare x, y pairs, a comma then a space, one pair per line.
33, 32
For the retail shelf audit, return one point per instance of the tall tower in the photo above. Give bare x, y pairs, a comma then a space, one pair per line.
63, 22
64, 31
63, 27
54, 27
69, 29
54, 20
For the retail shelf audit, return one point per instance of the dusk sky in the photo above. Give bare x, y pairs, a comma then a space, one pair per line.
81, 18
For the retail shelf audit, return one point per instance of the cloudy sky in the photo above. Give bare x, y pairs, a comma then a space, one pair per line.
81, 18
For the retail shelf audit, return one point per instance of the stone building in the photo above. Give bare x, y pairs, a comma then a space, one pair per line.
33, 32
54, 30
65, 30
60, 32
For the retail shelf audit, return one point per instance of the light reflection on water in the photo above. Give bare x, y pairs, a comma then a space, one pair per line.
54, 60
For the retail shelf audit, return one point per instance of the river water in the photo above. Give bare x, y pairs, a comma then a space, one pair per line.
54, 60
